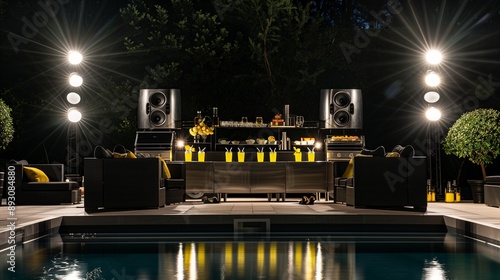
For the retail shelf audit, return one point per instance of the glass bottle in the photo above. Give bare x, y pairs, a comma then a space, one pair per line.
215, 117
198, 119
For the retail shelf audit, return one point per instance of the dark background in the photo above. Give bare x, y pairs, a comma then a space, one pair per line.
388, 67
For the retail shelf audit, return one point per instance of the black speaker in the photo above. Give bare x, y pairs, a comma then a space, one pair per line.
341, 108
158, 108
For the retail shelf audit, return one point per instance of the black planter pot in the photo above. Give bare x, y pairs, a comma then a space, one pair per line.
477, 189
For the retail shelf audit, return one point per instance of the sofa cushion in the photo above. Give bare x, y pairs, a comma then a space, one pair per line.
100, 152
406, 151
35, 174
392, 154
378, 152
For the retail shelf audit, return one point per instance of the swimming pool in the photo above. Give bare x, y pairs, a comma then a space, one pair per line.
344, 256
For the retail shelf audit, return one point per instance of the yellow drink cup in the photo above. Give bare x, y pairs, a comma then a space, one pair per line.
272, 156
229, 156
241, 156
260, 156
298, 156
449, 197
310, 156
457, 197
201, 156
188, 156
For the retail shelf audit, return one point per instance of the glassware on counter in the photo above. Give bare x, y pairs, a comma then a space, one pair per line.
241, 156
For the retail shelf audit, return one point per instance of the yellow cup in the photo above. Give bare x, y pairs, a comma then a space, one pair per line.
310, 156
241, 156
201, 156
449, 197
260, 156
298, 156
229, 156
457, 197
188, 156
272, 156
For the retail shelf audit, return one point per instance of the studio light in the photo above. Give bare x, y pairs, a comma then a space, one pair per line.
75, 57
74, 115
433, 114
433, 57
75, 80
73, 98
431, 97
432, 79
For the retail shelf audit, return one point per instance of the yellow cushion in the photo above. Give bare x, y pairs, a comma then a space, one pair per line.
166, 171
118, 155
35, 174
392, 154
128, 154
349, 171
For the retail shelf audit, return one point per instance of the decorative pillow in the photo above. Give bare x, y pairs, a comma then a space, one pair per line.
378, 152
406, 151
166, 171
101, 153
128, 154
35, 174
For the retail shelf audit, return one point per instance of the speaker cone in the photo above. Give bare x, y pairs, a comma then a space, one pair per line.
157, 118
341, 118
157, 99
342, 99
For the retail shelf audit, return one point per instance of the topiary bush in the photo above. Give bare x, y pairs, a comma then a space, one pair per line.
475, 136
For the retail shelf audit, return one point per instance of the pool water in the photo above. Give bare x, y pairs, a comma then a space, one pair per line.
429, 256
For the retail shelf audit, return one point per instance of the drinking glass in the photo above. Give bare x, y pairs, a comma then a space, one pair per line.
299, 121
201, 156
272, 156
241, 156
298, 156
259, 121
310, 156
188, 156
260, 156
229, 156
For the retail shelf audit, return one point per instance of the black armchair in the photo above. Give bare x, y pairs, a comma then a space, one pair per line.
388, 182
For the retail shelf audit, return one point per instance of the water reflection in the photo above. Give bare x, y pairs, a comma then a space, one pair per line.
442, 257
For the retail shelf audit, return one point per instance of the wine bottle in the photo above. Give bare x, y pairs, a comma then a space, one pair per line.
215, 117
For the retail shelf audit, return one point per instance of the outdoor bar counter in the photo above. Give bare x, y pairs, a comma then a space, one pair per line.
254, 177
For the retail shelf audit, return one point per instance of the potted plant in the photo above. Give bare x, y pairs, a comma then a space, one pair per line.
475, 136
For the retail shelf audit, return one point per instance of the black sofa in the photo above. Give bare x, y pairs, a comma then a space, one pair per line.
388, 182
123, 183
56, 191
